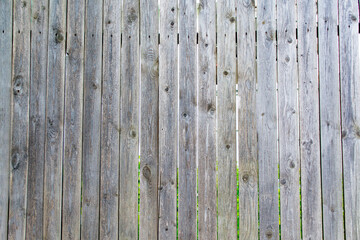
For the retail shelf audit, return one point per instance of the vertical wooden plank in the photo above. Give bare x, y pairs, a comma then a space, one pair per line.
331, 162
248, 162
207, 120
71, 201
289, 154
350, 107
129, 122
5, 110
149, 119
38, 75
267, 120
309, 120
92, 120
20, 119
110, 126
54, 120
168, 118
187, 119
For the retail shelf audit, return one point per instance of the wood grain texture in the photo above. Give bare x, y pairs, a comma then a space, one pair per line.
20, 119
330, 125
129, 122
74, 65
149, 119
5, 110
289, 152
267, 120
207, 121
92, 120
187, 120
38, 76
110, 122
168, 118
309, 121
350, 109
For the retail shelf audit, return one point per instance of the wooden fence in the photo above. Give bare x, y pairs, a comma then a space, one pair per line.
246, 115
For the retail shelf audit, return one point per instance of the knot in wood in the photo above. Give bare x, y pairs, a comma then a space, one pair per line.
146, 172
245, 178
59, 37
18, 85
131, 17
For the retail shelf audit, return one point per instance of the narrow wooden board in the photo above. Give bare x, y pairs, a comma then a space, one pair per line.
168, 118
330, 125
20, 119
226, 118
248, 160
5, 110
207, 120
267, 120
71, 201
129, 122
110, 123
350, 107
92, 120
38, 76
187, 120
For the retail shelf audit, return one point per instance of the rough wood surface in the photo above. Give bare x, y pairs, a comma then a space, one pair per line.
207, 121
168, 118
129, 122
92, 120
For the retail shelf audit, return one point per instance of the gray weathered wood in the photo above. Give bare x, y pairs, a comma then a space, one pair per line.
74, 65
330, 125
92, 120
129, 122
207, 120
110, 126
309, 121
168, 118
38, 76
350, 108
187, 120
248, 163
149, 119
226, 118
20, 119
289, 152
54, 120
267, 120
5, 110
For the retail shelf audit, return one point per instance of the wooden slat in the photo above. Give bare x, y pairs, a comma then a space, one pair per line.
187, 120
330, 128
248, 162
54, 120
38, 75
5, 110
129, 122
92, 120
309, 121
20, 119
289, 153
149, 119
350, 106
168, 118
110, 125
71, 201
267, 120
207, 120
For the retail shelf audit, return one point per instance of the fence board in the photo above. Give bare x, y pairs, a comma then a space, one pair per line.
5, 110
248, 160
168, 118
309, 121
207, 120
129, 122
350, 108
331, 162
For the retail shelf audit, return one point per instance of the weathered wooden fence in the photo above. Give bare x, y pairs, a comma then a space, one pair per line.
246, 115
